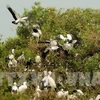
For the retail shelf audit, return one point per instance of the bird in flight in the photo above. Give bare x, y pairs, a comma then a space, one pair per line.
16, 16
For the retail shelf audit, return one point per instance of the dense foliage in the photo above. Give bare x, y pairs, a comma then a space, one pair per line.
81, 23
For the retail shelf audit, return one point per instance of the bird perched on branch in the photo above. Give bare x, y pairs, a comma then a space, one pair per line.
16, 16
36, 31
62, 93
14, 88
48, 81
10, 56
38, 60
68, 37
61, 37
21, 58
69, 46
53, 46
23, 87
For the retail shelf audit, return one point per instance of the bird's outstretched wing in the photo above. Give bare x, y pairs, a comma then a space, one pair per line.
14, 14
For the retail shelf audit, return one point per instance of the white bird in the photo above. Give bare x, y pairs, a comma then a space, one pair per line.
37, 92
72, 97
38, 59
14, 62
51, 81
45, 82
13, 51
75, 94
69, 37
10, 56
50, 73
10, 64
91, 99
62, 37
36, 31
98, 97
45, 73
16, 16
69, 46
38, 89
14, 88
53, 45
21, 58
23, 87
78, 92
48, 81
62, 93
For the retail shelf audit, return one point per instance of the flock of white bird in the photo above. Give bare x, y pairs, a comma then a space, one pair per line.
47, 81
20, 89
21, 60
12, 61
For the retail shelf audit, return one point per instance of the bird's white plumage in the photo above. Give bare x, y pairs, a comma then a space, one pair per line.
23, 87
62, 93
53, 45
11, 56
24, 18
39, 31
45, 73
10, 64
68, 45
49, 81
62, 37
38, 59
13, 51
37, 34
16, 16
21, 58
91, 99
14, 88
69, 37
98, 97
14, 62
50, 73
37, 93
45, 81
38, 90
80, 92
72, 97
21, 20
53, 42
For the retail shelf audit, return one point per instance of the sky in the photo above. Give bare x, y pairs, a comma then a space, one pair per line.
7, 29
